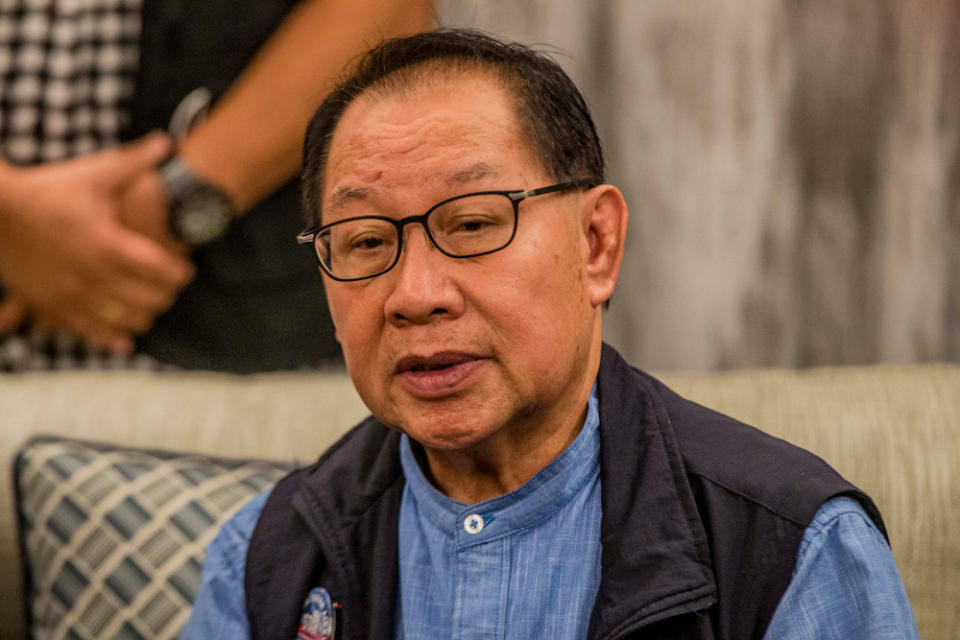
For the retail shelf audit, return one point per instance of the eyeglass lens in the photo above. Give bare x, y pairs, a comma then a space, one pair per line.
463, 227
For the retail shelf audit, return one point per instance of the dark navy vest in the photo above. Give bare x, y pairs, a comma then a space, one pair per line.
702, 521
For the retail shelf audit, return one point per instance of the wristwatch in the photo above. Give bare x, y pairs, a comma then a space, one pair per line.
200, 212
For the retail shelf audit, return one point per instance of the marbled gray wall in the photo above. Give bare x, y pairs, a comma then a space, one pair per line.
791, 167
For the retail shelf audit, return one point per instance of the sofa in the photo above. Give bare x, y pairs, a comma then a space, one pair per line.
116, 481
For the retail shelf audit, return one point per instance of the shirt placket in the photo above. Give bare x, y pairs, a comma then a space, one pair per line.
483, 570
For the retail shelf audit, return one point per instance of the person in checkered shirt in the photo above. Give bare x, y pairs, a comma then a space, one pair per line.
87, 260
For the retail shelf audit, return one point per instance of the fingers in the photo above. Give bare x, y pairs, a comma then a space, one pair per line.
133, 308
91, 329
122, 163
12, 314
121, 297
142, 258
112, 315
138, 294
101, 326
83, 327
72, 262
94, 308
145, 281
132, 280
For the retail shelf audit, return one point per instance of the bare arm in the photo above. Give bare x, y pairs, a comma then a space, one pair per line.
252, 141
250, 145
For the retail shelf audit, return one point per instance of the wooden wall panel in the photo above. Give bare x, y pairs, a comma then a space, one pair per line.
792, 171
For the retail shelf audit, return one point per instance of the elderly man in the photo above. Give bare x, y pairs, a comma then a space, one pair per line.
517, 478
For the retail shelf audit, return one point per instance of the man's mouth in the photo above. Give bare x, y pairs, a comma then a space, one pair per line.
429, 367
438, 374
436, 362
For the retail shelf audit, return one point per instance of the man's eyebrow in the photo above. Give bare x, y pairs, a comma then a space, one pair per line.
343, 195
475, 172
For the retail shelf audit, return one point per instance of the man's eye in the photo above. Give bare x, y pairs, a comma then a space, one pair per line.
470, 224
360, 242
366, 243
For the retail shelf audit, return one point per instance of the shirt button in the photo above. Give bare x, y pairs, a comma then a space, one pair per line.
473, 523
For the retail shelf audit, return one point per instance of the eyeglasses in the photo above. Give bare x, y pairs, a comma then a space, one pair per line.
466, 226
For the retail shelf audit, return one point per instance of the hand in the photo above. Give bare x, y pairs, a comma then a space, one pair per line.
66, 256
144, 208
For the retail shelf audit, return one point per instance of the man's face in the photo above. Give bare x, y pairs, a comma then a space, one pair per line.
455, 351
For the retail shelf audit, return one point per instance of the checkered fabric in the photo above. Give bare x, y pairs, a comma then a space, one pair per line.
33, 350
113, 539
67, 73
67, 70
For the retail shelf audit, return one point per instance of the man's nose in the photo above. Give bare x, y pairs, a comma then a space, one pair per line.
423, 289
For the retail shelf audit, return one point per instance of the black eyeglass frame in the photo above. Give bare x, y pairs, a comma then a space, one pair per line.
309, 236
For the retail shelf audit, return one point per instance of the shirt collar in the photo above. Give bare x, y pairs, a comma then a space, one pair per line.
551, 488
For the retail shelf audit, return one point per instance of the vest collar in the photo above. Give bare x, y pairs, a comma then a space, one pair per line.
656, 560
351, 504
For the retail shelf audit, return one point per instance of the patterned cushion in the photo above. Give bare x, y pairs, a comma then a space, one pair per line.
113, 539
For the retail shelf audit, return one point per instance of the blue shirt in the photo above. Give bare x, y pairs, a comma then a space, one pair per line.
482, 572
522, 565
845, 583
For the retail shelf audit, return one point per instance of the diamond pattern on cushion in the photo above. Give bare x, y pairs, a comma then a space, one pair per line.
113, 538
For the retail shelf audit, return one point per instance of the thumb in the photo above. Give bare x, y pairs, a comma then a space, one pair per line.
12, 314
123, 162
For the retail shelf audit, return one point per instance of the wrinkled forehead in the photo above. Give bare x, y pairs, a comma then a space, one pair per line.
447, 128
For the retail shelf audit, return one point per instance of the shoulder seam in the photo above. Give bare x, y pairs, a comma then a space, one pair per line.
754, 500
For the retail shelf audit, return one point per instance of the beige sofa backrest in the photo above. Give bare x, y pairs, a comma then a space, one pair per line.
283, 416
894, 431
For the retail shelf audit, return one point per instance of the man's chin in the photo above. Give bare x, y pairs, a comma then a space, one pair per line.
447, 437
457, 422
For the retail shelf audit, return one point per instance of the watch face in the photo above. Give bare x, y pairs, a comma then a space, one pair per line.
199, 212
202, 216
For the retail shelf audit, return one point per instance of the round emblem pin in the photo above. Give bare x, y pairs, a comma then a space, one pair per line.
318, 620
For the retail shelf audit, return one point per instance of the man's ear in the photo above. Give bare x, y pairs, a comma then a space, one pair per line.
604, 224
